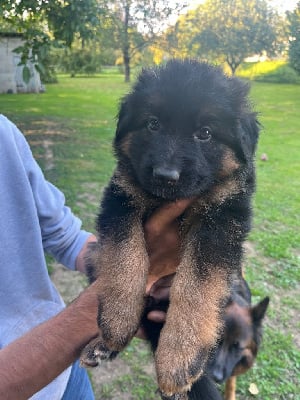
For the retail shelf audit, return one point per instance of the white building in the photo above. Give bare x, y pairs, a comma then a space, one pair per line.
11, 74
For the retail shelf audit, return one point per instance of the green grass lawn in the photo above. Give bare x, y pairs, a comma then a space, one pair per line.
70, 128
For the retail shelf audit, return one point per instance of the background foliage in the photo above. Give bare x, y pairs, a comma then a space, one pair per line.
129, 33
294, 41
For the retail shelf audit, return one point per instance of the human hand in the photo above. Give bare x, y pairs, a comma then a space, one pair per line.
163, 246
162, 240
159, 294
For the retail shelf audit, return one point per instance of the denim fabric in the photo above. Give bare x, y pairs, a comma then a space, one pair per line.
79, 386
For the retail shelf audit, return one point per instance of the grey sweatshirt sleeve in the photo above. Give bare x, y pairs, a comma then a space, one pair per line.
61, 231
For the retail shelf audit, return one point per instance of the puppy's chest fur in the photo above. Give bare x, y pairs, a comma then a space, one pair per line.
205, 208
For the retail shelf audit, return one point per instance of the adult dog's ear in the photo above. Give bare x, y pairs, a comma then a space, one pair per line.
249, 132
259, 310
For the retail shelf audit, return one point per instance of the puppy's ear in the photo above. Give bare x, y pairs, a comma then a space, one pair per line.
123, 120
131, 105
259, 310
249, 132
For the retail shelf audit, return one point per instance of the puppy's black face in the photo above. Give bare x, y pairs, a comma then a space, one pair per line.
185, 127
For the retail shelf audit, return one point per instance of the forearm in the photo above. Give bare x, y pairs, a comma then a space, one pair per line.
31, 362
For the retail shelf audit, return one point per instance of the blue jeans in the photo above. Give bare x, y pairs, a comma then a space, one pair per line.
79, 386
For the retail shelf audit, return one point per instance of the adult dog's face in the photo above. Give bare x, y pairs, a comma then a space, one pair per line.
185, 127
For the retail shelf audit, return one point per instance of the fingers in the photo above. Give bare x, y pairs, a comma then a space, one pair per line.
160, 290
140, 334
166, 215
157, 316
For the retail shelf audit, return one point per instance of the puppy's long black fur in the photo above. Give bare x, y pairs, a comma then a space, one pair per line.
185, 130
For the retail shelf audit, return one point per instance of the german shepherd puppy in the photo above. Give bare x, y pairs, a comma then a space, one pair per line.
185, 131
239, 343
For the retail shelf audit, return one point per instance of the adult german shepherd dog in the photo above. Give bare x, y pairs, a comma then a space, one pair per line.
185, 131
241, 337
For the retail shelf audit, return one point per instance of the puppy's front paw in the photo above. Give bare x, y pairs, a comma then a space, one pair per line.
94, 352
179, 366
177, 396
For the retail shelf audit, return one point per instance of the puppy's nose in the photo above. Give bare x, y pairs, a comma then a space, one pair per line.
167, 174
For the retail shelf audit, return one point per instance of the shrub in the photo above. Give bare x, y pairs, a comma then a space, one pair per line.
82, 61
283, 74
294, 47
294, 55
269, 71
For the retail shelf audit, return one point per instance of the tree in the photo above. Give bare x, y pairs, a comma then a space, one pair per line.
133, 25
177, 40
41, 21
294, 43
64, 19
235, 29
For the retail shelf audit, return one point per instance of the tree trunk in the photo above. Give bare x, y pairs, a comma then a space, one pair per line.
126, 60
233, 63
233, 68
126, 57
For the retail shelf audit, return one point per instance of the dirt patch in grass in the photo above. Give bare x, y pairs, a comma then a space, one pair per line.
42, 136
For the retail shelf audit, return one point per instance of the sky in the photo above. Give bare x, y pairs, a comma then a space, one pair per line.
281, 5
284, 5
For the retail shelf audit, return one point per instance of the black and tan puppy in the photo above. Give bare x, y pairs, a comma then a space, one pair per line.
185, 130
241, 337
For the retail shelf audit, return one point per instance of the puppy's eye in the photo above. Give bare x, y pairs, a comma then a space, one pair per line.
153, 124
203, 134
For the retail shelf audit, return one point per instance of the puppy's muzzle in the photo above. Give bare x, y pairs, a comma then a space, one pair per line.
166, 174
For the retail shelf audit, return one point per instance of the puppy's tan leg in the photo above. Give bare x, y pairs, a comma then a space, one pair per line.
191, 327
230, 388
122, 270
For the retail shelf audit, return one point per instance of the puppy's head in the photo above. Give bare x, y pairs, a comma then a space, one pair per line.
240, 341
184, 127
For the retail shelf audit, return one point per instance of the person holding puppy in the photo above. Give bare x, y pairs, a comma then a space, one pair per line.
39, 337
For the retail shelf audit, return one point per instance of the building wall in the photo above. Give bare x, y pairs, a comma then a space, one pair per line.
11, 75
